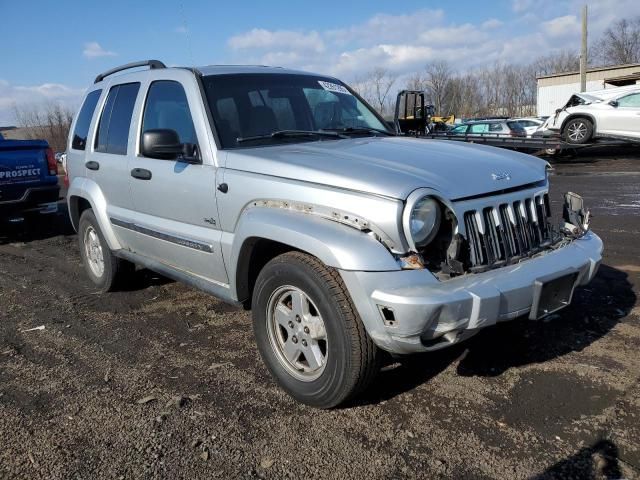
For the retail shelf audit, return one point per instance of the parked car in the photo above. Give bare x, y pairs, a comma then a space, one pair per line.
489, 128
530, 124
284, 192
613, 112
28, 179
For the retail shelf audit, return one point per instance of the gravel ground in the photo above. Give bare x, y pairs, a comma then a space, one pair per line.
165, 381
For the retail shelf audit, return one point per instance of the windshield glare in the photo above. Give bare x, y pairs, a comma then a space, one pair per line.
253, 105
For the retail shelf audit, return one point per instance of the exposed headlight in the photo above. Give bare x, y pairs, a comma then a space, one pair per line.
421, 220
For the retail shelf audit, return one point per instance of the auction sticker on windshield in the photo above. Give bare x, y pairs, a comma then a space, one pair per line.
334, 87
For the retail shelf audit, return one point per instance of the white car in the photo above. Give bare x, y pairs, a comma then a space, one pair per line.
530, 124
613, 112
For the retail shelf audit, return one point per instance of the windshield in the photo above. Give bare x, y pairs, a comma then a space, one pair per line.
252, 106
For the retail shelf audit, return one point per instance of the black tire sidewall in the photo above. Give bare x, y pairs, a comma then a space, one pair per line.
587, 137
104, 282
332, 386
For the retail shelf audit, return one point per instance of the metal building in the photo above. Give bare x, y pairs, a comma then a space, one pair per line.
554, 90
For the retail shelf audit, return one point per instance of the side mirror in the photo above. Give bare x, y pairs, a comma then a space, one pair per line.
165, 144
161, 143
613, 103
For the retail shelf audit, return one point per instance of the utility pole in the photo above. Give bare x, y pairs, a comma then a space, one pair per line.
583, 52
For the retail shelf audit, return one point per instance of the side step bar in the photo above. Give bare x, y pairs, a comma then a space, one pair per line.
200, 283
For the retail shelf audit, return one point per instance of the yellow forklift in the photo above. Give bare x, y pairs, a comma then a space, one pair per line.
413, 116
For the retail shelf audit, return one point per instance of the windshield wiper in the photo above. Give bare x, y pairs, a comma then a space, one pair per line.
291, 133
358, 130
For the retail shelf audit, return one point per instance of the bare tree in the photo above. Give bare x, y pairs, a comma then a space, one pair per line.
381, 82
438, 78
50, 122
563, 61
620, 43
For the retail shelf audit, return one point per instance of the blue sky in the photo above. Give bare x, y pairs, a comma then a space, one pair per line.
51, 51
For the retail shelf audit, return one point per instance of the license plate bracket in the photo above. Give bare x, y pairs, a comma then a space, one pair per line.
553, 292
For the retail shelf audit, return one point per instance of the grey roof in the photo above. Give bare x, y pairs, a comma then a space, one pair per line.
226, 69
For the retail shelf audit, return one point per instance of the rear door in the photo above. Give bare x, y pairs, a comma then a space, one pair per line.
107, 163
176, 220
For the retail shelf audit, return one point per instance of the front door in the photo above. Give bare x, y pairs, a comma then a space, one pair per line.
175, 201
623, 118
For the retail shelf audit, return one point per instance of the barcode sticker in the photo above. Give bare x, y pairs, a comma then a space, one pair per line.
334, 87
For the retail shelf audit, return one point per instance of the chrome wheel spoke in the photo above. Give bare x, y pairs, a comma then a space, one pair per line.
291, 351
299, 303
316, 328
283, 316
314, 356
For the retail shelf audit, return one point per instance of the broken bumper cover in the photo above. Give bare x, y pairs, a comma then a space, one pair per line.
411, 311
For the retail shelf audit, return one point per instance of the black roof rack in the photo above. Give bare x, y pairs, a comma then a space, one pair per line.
150, 63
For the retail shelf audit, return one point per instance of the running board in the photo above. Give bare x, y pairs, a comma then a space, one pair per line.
200, 283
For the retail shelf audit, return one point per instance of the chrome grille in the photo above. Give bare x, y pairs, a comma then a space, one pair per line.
507, 232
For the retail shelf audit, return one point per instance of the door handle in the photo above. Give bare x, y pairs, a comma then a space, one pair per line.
141, 174
91, 165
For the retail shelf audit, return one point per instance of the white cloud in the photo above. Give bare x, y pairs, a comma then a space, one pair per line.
384, 28
27, 96
567, 25
181, 30
259, 38
407, 42
491, 24
452, 35
94, 50
521, 6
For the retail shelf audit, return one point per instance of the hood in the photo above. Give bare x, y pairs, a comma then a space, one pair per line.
394, 166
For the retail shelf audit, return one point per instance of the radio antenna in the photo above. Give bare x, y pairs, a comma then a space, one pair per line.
187, 33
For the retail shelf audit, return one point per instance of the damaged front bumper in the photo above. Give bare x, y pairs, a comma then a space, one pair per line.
412, 311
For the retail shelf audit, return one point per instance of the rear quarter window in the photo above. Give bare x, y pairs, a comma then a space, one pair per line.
115, 121
81, 130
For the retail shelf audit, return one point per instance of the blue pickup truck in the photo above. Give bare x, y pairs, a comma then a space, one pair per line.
28, 178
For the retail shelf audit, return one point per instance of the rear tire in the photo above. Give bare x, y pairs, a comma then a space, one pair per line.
309, 333
578, 131
106, 271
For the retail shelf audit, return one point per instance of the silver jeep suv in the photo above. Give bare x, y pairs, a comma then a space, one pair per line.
284, 192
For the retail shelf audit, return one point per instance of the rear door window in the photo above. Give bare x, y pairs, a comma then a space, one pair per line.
115, 121
81, 130
495, 127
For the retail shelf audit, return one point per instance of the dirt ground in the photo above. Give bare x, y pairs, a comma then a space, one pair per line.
165, 381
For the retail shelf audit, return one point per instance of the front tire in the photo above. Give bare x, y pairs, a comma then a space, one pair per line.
578, 131
106, 271
309, 333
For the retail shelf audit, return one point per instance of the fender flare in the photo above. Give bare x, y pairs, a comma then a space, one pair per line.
89, 190
335, 244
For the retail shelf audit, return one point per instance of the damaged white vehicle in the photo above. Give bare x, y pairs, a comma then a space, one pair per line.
613, 113
284, 192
